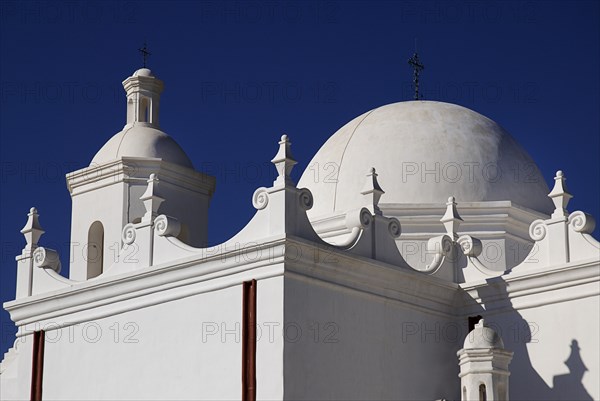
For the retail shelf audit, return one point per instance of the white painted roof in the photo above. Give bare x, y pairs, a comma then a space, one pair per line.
424, 152
142, 141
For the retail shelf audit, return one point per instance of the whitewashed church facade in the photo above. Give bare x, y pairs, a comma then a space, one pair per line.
424, 258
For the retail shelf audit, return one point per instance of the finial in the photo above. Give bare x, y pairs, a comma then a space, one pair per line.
480, 323
560, 195
417, 68
150, 199
373, 191
451, 219
284, 162
32, 231
145, 53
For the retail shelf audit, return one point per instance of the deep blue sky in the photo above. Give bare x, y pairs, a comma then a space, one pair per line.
237, 75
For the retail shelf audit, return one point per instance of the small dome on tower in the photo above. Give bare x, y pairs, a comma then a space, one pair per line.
142, 136
140, 141
143, 72
483, 336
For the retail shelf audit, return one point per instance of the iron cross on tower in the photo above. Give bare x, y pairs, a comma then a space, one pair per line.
145, 53
417, 68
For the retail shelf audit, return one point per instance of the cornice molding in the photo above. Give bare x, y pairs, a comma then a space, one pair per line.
302, 260
105, 296
134, 169
533, 289
421, 221
410, 288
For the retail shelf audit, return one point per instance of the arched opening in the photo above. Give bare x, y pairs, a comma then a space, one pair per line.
482, 393
94, 250
464, 396
144, 110
130, 111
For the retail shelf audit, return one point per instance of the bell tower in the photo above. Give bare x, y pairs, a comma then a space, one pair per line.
106, 195
143, 98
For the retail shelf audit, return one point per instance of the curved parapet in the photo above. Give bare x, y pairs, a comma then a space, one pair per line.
280, 213
562, 239
475, 269
456, 258
38, 267
440, 247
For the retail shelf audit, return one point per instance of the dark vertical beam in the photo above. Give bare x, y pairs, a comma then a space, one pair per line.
37, 365
249, 341
245, 291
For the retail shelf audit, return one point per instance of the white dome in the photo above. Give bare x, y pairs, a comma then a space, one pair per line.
424, 152
143, 72
483, 337
142, 141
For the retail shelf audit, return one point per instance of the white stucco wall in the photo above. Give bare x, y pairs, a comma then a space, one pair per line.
111, 212
270, 342
161, 352
356, 346
541, 339
189, 348
189, 207
15, 380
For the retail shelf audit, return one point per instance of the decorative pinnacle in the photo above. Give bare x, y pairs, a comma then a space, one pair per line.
560, 195
451, 219
284, 162
150, 199
372, 191
480, 323
32, 231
